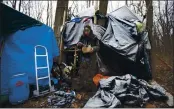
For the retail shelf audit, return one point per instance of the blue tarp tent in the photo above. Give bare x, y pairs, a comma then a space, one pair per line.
18, 51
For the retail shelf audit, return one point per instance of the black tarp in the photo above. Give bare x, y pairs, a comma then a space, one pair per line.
14, 20
119, 90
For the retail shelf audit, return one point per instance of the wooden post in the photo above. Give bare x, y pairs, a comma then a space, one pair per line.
61, 40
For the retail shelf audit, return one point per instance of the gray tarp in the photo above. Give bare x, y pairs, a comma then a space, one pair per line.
125, 13
73, 31
119, 35
117, 90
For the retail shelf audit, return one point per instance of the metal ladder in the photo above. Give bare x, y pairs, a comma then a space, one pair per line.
51, 88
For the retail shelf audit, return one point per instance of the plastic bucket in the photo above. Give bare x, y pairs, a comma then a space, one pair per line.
19, 89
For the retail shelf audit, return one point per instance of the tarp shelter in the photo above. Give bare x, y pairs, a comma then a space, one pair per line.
21, 34
122, 49
126, 45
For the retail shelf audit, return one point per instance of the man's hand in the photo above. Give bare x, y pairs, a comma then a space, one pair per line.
79, 44
92, 50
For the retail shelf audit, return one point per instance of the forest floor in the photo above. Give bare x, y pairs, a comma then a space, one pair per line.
163, 76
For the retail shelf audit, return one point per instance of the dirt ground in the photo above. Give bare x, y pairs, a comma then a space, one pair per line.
163, 76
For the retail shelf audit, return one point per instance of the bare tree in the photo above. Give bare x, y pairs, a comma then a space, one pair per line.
62, 5
89, 2
126, 2
163, 27
173, 37
92, 2
13, 3
139, 8
48, 13
77, 7
51, 14
20, 5
25, 6
149, 25
103, 10
39, 10
29, 7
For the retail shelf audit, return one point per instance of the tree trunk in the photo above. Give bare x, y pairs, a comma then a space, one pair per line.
29, 1
173, 45
103, 5
149, 25
14, 4
20, 2
51, 16
89, 3
60, 18
62, 5
47, 13
126, 2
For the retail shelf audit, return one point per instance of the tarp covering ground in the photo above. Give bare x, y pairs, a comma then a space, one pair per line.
119, 90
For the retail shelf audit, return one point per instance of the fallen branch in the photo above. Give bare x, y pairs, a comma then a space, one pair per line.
169, 66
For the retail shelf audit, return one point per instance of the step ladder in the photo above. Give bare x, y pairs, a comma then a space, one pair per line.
51, 88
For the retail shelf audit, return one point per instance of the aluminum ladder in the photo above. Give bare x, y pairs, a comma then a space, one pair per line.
51, 88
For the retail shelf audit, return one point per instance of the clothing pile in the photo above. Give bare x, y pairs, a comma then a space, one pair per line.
61, 99
118, 90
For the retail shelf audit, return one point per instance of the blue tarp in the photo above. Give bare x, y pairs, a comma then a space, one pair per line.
18, 54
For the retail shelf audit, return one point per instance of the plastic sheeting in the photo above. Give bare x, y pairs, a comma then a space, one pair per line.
127, 47
12, 20
119, 90
18, 54
73, 31
121, 33
125, 13
61, 99
87, 12
122, 36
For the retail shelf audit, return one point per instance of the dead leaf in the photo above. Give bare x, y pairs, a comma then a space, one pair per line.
148, 105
